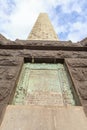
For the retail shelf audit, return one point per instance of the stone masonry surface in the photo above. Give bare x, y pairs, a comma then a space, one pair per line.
43, 29
14, 53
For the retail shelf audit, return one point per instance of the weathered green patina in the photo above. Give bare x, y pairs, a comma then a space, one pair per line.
44, 84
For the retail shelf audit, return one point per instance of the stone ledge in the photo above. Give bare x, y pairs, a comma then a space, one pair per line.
45, 118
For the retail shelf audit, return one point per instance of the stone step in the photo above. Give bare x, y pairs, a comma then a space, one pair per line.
21, 117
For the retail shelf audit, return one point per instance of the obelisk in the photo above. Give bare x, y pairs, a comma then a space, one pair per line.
43, 29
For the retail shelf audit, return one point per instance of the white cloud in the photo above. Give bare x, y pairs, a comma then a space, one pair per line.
69, 6
77, 31
22, 18
17, 17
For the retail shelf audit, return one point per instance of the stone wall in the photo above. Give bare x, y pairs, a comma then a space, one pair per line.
78, 71
12, 58
9, 72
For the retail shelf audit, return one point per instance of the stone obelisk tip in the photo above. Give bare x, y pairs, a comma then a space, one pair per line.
43, 29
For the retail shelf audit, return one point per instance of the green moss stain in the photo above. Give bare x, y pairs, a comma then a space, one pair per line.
43, 84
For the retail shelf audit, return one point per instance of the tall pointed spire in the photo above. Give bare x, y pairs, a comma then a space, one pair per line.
43, 29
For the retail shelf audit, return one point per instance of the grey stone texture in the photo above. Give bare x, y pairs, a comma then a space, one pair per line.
13, 53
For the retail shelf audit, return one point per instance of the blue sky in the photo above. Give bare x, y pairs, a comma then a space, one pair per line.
69, 17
